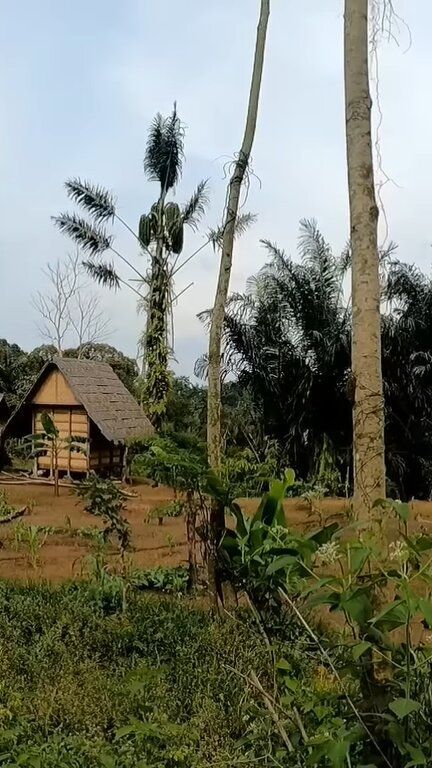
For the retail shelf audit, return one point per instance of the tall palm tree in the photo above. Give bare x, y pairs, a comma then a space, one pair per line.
239, 172
368, 410
160, 236
288, 340
407, 371
240, 169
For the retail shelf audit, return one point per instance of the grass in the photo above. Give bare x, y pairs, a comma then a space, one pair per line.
82, 685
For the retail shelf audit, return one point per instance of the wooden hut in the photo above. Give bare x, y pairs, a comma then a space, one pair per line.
86, 400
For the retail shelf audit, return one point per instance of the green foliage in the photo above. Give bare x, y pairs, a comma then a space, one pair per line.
163, 460
244, 475
175, 508
31, 539
171, 580
6, 509
103, 498
186, 408
383, 598
85, 687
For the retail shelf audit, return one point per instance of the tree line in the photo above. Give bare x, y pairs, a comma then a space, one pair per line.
357, 351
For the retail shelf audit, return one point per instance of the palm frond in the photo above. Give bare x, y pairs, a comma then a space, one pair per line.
205, 318
406, 284
195, 208
386, 254
243, 222
311, 244
103, 273
201, 367
345, 258
273, 250
90, 237
163, 161
97, 200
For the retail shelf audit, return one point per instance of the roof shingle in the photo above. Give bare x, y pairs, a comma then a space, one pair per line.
103, 395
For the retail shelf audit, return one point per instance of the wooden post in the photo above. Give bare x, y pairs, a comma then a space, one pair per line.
68, 474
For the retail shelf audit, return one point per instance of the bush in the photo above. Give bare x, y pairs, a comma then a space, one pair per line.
82, 685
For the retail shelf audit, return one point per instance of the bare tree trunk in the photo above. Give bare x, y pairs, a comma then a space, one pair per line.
218, 314
191, 516
368, 412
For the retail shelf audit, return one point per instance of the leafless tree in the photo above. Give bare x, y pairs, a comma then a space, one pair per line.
87, 319
67, 309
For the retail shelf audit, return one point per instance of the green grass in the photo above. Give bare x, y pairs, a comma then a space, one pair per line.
83, 685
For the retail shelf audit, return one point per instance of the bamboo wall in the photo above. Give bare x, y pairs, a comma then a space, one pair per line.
69, 422
56, 398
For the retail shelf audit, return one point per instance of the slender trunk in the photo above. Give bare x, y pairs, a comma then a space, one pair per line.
156, 346
191, 517
56, 470
368, 411
218, 314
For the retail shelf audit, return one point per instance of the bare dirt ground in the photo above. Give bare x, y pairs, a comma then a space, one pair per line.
65, 554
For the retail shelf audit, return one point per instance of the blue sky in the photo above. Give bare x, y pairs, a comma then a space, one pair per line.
81, 81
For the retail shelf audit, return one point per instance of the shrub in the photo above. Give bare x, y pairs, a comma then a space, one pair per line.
84, 686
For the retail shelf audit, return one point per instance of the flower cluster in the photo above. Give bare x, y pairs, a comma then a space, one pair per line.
327, 553
398, 551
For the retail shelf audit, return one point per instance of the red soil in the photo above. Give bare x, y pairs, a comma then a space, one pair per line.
64, 555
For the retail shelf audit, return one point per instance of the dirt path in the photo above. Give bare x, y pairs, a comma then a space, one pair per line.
65, 554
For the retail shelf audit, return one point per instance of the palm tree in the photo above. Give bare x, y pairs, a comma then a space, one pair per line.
407, 371
368, 410
228, 229
160, 237
162, 229
240, 170
288, 340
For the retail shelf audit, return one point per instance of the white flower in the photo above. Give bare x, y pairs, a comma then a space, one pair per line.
328, 553
398, 551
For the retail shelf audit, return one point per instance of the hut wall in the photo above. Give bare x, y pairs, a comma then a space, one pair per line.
55, 391
56, 398
104, 456
69, 422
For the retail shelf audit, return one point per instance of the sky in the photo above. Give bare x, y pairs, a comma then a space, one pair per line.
81, 81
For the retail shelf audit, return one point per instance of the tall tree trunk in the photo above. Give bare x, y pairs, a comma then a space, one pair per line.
156, 342
218, 314
368, 411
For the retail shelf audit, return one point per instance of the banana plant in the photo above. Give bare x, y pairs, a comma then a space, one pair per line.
50, 442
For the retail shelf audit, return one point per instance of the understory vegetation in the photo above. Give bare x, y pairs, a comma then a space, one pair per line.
287, 400
83, 684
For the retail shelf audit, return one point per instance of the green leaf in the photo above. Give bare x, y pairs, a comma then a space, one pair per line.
402, 510
357, 606
404, 707
423, 543
283, 664
361, 648
281, 563
359, 556
418, 757
324, 534
48, 425
393, 616
107, 761
242, 521
425, 606
289, 478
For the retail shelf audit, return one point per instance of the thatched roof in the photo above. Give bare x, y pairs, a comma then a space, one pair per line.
105, 398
